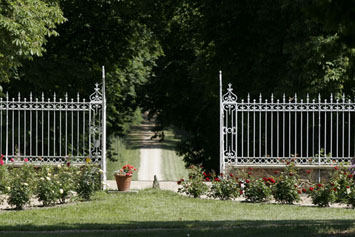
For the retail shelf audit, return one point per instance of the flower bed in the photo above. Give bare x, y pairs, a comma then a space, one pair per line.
48, 185
284, 186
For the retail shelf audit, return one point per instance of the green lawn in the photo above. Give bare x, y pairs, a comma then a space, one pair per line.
124, 155
164, 212
173, 166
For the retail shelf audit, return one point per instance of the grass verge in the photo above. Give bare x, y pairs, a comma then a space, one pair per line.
123, 156
160, 212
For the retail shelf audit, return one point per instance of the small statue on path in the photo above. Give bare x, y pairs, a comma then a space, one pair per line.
156, 183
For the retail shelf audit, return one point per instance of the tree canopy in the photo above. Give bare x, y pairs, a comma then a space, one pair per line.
164, 56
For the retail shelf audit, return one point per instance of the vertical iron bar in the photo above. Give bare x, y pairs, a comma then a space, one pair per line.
18, 128
72, 128
31, 136
283, 125
42, 107
84, 129
54, 124
60, 126
66, 124
248, 125
266, 130
295, 125
254, 128
242, 128
260, 106
331, 125
7, 127
278, 130
48, 134
77, 125
343, 125
24, 130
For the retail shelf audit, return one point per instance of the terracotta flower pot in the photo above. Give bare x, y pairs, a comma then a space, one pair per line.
123, 182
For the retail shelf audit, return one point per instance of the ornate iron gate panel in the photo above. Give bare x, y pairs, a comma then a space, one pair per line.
262, 132
52, 130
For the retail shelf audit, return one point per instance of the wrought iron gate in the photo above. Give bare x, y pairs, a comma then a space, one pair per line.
54, 130
261, 132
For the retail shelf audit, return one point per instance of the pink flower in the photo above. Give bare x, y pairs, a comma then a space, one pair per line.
1, 162
12, 160
25, 160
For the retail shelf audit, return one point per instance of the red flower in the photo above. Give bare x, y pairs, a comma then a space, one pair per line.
221, 174
276, 172
249, 168
231, 175
319, 185
182, 180
12, 160
291, 174
247, 181
304, 190
25, 160
265, 179
295, 185
311, 188
272, 180
241, 192
347, 186
336, 168
204, 173
216, 179
334, 189
207, 179
68, 164
308, 171
287, 162
135, 169
332, 184
1, 162
299, 191
350, 176
179, 182
250, 173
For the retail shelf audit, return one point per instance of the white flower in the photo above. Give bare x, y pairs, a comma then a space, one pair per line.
26, 184
242, 186
48, 178
59, 166
103, 183
8, 188
101, 171
348, 190
41, 178
61, 191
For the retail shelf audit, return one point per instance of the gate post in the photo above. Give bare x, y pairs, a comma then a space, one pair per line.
221, 139
103, 153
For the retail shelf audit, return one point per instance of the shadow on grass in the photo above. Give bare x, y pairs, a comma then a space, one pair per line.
192, 228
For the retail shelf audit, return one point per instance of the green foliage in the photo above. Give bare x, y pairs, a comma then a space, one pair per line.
194, 186
286, 188
322, 194
24, 28
20, 186
257, 190
88, 181
46, 187
224, 188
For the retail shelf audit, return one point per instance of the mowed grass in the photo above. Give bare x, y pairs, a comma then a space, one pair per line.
123, 155
158, 213
173, 166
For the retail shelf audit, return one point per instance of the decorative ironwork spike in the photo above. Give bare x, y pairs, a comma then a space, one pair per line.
272, 97
242, 100
307, 98
42, 96
248, 97
60, 99
54, 97
19, 96
284, 98
295, 97
301, 101
278, 100
31, 96
343, 97
229, 87
319, 98
331, 97
7, 96
78, 97
66, 96
254, 100
325, 100
260, 97
84, 100
49, 99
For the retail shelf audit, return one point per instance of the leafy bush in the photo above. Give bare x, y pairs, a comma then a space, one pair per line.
350, 200
47, 189
194, 186
20, 186
257, 190
87, 181
65, 182
323, 194
224, 189
286, 188
341, 180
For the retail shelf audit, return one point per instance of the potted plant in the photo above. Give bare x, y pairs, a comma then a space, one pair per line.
124, 177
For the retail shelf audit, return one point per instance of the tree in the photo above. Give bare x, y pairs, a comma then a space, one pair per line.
24, 28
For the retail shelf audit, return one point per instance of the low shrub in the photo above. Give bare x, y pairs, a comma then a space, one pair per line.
286, 188
20, 186
322, 194
87, 181
258, 190
224, 188
46, 187
194, 186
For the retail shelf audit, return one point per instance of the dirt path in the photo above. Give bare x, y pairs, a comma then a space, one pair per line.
150, 164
